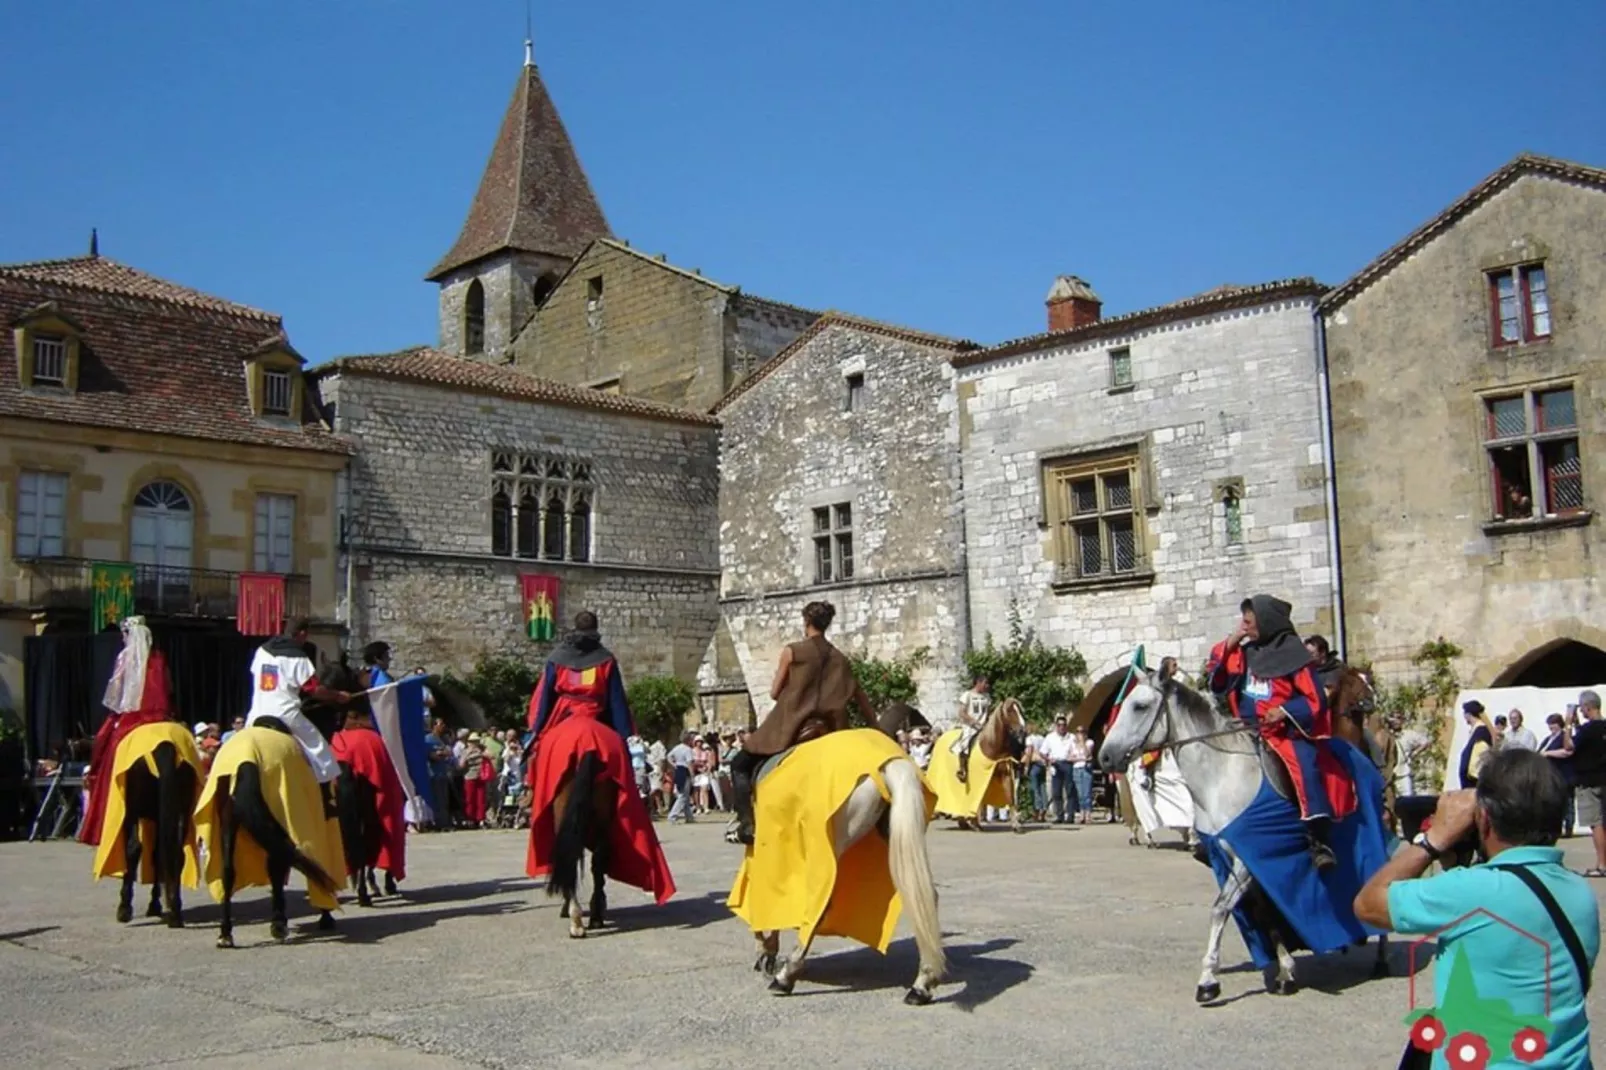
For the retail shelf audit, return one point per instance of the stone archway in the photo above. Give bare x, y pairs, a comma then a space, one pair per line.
1559, 662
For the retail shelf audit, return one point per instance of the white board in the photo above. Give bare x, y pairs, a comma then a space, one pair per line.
1536, 704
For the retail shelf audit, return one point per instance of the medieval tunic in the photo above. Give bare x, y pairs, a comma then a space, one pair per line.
819, 686
136, 695
280, 672
579, 708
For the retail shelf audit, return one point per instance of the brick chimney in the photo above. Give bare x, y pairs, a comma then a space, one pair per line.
1071, 304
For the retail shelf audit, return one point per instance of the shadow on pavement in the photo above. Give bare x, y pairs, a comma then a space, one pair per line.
983, 977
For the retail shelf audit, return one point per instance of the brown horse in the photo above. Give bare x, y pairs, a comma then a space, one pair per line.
584, 809
1352, 701
1002, 740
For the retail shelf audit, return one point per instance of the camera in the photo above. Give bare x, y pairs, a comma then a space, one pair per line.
1414, 813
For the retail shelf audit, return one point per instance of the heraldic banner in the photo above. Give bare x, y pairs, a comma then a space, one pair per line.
261, 606
540, 606
113, 585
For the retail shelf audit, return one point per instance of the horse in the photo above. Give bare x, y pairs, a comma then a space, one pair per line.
585, 809
847, 783
362, 831
1222, 762
155, 780
236, 799
1002, 740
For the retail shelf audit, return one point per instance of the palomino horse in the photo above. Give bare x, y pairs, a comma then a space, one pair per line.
238, 802
1222, 764
1002, 740
853, 757
584, 807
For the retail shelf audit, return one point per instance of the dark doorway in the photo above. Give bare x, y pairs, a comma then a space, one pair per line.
1563, 663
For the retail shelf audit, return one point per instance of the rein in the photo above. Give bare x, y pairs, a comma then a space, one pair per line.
1236, 729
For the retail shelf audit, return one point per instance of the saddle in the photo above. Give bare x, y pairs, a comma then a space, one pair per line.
812, 728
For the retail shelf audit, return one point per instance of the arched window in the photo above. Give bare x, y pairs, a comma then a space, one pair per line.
501, 524
552, 545
543, 288
529, 523
474, 319
580, 529
162, 540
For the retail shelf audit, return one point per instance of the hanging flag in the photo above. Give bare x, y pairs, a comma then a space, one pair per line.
1137, 671
260, 610
113, 584
399, 715
540, 606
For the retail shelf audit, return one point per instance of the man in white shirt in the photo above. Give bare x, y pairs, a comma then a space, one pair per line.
1518, 737
680, 758
281, 676
974, 706
1057, 749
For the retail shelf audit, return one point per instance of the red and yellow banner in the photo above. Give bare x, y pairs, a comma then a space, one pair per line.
540, 606
261, 605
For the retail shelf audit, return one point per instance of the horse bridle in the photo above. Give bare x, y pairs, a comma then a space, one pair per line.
1236, 729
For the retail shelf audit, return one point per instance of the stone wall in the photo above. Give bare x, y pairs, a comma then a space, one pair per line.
1217, 401
509, 281
790, 446
420, 524
1411, 357
757, 330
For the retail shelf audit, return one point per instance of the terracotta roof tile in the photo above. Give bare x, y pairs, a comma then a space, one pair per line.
423, 364
534, 195
1220, 299
1525, 164
156, 357
841, 319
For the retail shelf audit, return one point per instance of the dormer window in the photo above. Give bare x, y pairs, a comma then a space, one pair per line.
49, 360
47, 347
276, 392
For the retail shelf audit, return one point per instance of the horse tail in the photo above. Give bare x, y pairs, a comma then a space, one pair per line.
175, 801
251, 811
911, 868
576, 828
353, 836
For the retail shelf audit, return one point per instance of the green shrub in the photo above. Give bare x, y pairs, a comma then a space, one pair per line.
1045, 679
888, 680
502, 686
660, 705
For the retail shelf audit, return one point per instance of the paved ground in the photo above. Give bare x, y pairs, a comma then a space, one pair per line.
1068, 948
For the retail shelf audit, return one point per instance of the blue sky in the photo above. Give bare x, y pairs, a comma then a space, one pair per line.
931, 163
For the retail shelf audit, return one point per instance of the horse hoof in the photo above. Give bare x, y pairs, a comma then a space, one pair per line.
365, 900
390, 884
154, 910
777, 988
125, 915
225, 942
916, 998
1019, 832
326, 921
564, 912
765, 965
577, 934
1207, 993
174, 921
595, 922
279, 930
1380, 970
1284, 988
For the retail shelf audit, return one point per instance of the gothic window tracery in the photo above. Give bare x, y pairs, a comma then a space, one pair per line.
541, 506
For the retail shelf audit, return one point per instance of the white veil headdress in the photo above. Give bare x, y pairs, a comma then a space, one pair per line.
126, 689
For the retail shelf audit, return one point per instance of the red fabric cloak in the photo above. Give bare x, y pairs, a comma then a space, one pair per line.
364, 750
574, 729
155, 704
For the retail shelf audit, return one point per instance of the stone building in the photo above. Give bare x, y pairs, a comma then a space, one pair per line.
1468, 382
472, 474
629, 323
162, 432
1129, 480
840, 481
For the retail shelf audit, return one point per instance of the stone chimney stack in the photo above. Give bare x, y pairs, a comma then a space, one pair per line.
1071, 304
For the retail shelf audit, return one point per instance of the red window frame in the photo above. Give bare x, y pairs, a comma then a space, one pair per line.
1522, 277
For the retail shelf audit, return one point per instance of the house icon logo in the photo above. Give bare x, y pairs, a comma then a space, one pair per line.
1474, 1032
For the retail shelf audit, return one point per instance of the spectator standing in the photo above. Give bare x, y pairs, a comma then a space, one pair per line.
1057, 749
1589, 769
681, 759
1558, 747
234, 726
440, 774
1515, 813
1519, 737
920, 747
1082, 773
476, 769
658, 774
638, 765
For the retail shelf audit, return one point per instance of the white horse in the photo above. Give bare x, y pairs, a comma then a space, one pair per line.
909, 866
1222, 763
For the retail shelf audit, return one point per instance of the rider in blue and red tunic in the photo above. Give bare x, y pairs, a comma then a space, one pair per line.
579, 707
1269, 680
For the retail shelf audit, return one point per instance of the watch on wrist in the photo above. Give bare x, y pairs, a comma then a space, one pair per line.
1421, 840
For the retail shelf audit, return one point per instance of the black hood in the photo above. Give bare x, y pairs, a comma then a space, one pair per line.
282, 646
581, 650
1279, 650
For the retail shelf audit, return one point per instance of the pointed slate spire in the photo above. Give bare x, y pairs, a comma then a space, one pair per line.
94, 241
534, 196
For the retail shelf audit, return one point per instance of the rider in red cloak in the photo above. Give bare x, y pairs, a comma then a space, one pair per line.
579, 707
1269, 680
137, 694
360, 746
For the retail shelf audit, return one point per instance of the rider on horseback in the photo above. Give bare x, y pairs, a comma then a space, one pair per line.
1328, 665
975, 706
813, 686
1267, 676
282, 675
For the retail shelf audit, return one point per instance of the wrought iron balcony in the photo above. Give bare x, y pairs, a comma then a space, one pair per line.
67, 583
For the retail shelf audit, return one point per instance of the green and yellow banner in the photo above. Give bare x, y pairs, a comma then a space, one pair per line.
540, 606
113, 584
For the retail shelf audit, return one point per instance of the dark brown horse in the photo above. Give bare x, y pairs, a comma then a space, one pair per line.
584, 811
1353, 701
164, 800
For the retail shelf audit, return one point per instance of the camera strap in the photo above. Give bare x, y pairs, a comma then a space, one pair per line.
1569, 935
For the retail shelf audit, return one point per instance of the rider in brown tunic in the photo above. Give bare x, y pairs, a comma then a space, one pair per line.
813, 686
